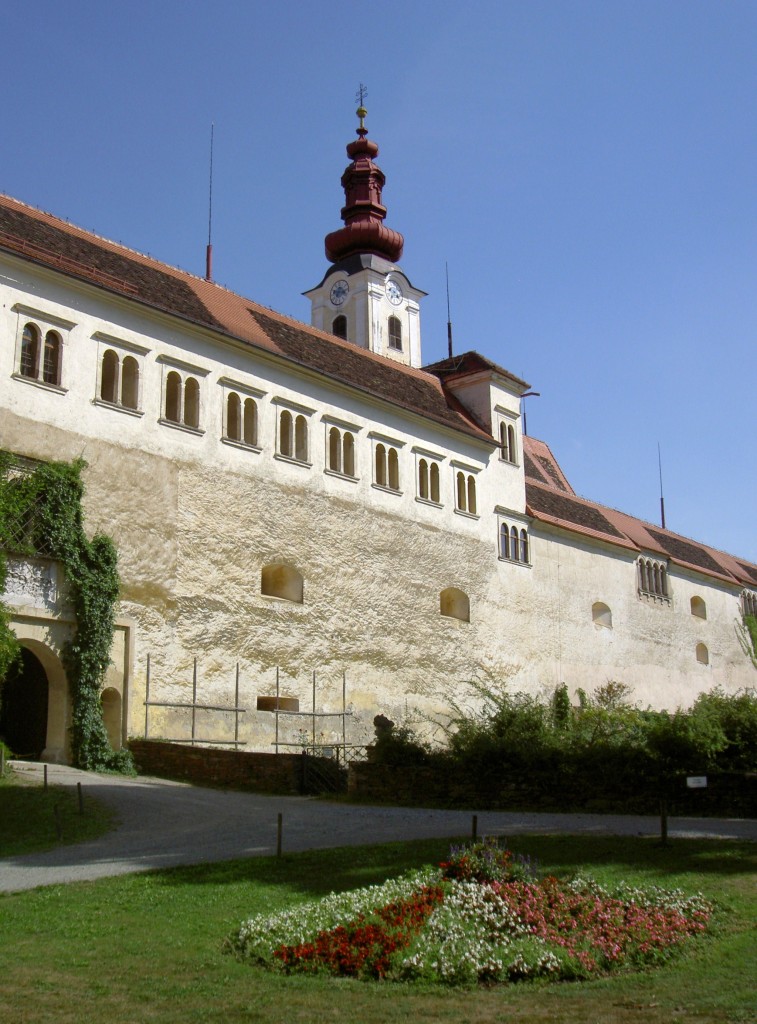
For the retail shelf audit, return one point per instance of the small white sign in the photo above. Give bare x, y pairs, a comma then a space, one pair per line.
696, 781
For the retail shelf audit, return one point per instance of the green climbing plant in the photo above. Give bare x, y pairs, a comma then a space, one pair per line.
41, 515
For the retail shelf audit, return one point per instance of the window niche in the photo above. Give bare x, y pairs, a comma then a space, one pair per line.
653, 579
454, 604
182, 397
465, 493
508, 451
282, 581
241, 415
702, 654
119, 379
428, 481
601, 614
293, 442
386, 464
340, 451
698, 608
39, 347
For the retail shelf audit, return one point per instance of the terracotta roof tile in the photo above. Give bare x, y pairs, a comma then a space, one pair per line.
45, 239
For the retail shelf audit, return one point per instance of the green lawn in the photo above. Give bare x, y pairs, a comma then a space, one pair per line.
28, 817
148, 947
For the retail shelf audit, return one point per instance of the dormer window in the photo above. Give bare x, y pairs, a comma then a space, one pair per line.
395, 334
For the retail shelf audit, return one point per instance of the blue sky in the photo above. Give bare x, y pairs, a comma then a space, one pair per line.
587, 170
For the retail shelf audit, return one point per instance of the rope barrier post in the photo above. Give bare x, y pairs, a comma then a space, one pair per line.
45, 776
81, 797
279, 829
474, 828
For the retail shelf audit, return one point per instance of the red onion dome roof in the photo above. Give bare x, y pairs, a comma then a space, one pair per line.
363, 213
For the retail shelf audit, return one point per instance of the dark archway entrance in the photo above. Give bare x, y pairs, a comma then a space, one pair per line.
23, 715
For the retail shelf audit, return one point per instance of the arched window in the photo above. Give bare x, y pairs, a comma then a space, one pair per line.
472, 495
455, 604
749, 603
339, 326
511, 444
109, 377
698, 608
703, 655
301, 439
250, 424
335, 450
423, 479
394, 469
462, 502
51, 359
381, 465
601, 614
524, 546
191, 402
653, 578
465, 493
434, 480
282, 581
514, 543
286, 434
173, 397
348, 461
504, 451
29, 366
395, 333
234, 417
130, 383
504, 541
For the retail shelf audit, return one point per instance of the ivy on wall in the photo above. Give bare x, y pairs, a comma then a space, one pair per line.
41, 516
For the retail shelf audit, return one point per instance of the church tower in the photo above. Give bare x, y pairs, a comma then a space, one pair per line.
365, 297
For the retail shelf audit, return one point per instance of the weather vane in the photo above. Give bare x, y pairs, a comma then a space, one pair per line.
360, 95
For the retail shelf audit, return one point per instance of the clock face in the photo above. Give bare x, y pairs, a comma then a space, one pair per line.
393, 292
339, 292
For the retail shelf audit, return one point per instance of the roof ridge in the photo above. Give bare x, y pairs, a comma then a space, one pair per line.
643, 522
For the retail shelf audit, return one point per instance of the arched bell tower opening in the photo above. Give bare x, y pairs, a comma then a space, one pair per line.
24, 710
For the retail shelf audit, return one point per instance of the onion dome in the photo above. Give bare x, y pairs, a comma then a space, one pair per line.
363, 214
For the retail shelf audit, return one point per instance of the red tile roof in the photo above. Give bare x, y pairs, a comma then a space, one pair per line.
548, 502
44, 239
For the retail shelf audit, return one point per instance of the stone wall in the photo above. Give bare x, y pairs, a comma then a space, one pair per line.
262, 773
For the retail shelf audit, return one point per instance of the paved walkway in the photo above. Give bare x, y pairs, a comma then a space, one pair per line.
163, 824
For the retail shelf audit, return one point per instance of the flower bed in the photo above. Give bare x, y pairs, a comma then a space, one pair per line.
482, 916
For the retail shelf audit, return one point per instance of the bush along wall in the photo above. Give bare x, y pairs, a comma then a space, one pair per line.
41, 515
523, 753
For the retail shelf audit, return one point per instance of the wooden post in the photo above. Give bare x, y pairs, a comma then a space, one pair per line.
312, 729
45, 776
194, 699
279, 825
81, 797
344, 716
474, 828
276, 746
236, 710
147, 696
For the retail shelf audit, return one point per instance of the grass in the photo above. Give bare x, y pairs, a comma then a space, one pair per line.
28, 822
149, 947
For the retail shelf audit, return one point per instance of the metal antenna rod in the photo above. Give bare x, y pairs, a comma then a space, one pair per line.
662, 499
209, 250
449, 318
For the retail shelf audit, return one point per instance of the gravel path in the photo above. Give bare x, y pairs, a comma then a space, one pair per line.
163, 824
